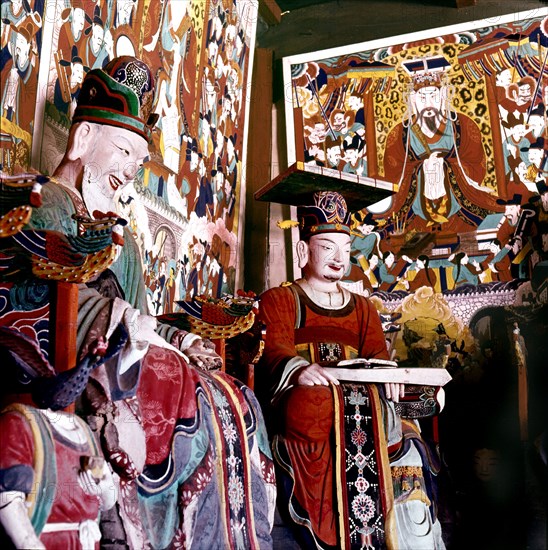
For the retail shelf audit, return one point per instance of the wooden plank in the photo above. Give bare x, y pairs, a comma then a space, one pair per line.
465, 3
400, 375
296, 184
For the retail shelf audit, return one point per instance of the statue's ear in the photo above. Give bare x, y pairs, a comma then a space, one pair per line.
80, 139
302, 253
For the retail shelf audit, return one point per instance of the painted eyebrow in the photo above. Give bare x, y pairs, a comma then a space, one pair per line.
326, 240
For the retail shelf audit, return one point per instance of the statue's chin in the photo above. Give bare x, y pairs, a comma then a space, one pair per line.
95, 197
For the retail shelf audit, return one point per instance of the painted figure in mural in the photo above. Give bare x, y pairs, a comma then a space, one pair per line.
495, 266
74, 19
349, 467
436, 157
420, 273
354, 155
20, 74
465, 270
365, 240
333, 153
98, 48
13, 13
69, 83
206, 475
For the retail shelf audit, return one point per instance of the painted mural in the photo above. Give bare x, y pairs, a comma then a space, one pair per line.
184, 206
458, 123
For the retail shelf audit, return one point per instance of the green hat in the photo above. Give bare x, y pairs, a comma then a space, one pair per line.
121, 95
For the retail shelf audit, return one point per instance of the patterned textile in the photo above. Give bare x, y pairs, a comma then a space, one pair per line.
204, 432
326, 213
119, 95
208, 452
366, 471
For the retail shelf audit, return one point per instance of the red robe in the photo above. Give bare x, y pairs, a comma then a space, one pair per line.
70, 503
306, 414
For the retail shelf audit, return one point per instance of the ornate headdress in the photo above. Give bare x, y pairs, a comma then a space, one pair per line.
428, 71
326, 213
120, 95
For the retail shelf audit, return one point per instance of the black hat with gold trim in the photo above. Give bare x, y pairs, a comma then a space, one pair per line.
326, 213
121, 95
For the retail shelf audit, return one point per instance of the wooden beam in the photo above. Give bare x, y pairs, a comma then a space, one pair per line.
270, 12
258, 170
465, 3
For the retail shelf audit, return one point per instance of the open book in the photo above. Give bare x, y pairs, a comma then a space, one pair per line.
360, 363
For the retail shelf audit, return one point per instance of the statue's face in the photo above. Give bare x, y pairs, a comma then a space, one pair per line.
111, 162
328, 256
485, 464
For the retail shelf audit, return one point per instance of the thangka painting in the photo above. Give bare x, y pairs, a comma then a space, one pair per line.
184, 205
456, 120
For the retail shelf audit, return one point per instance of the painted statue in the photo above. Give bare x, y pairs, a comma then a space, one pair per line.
351, 472
205, 474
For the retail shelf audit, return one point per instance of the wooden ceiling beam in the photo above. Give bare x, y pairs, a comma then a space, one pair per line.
464, 3
270, 11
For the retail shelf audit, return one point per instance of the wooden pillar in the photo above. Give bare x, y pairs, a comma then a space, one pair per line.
270, 11
63, 332
258, 170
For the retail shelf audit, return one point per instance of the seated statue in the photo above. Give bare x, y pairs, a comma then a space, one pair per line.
188, 443
351, 473
54, 480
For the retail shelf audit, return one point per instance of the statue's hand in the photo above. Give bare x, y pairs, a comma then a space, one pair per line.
394, 391
15, 521
315, 375
202, 354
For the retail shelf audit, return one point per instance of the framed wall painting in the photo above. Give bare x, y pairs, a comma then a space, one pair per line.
454, 119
